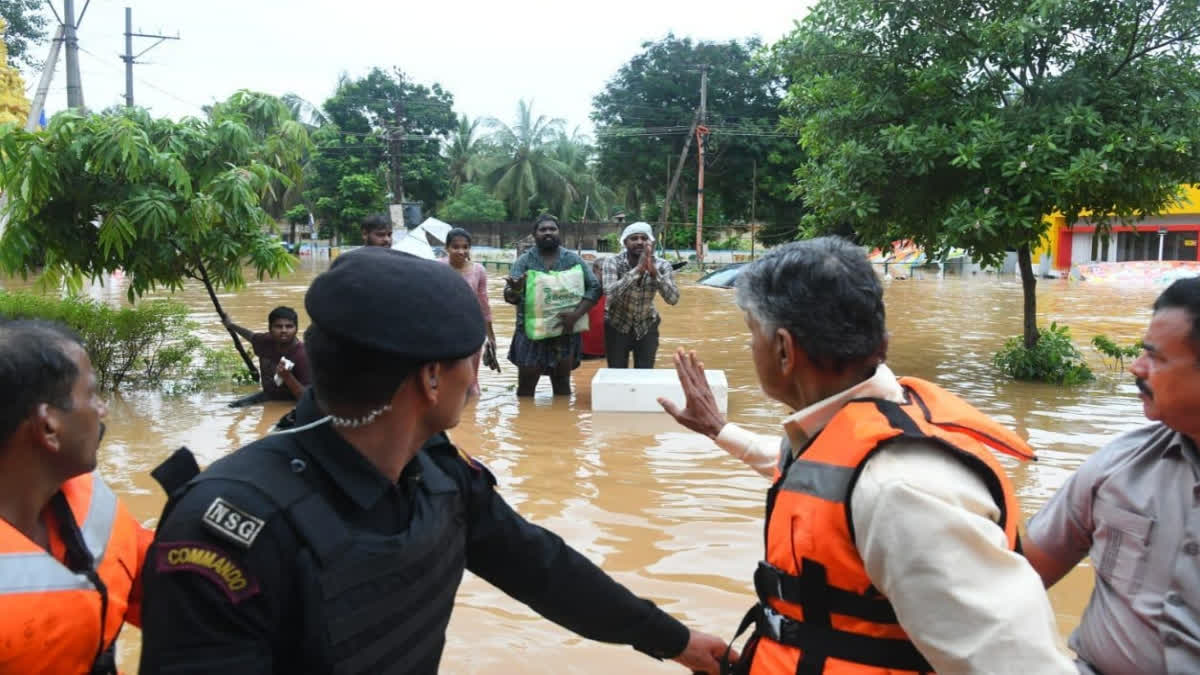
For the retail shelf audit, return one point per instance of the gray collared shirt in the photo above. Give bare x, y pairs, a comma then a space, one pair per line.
1134, 508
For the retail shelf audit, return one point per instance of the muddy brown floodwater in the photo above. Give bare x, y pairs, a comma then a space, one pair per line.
661, 509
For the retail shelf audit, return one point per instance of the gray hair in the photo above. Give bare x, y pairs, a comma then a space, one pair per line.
825, 293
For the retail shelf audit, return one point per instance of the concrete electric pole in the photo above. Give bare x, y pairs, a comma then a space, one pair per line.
74, 85
129, 58
701, 131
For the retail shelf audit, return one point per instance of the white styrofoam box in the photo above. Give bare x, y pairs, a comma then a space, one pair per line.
637, 390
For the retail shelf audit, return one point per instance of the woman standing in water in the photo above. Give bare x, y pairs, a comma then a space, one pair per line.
458, 249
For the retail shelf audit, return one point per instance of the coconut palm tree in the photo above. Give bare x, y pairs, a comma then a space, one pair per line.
525, 168
576, 152
465, 151
304, 112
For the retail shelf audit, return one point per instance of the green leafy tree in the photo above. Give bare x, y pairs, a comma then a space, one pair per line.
345, 179
524, 168
473, 204
390, 108
358, 195
163, 201
964, 124
642, 119
276, 132
27, 21
297, 215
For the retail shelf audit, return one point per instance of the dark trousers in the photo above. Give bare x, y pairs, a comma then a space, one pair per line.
618, 345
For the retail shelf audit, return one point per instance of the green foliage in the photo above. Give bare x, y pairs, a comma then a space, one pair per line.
611, 242
349, 172
1114, 353
1053, 359
464, 152
345, 179
150, 345
731, 243
644, 112
684, 236
963, 124
523, 167
372, 107
297, 215
163, 201
27, 22
473, 204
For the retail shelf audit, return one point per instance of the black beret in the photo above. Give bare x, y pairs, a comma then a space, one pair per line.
393, 302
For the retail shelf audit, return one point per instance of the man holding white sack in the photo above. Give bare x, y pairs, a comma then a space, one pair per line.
631, 280
553, 290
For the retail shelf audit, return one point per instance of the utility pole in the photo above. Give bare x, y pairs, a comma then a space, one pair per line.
74, 85
701, 131
674, 181
36, 106
43, 89
394, 149
129, 58
753, 201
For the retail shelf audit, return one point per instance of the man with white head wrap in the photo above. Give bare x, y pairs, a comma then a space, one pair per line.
631, 279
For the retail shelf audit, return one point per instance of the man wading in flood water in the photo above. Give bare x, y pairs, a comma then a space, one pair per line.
558, 354
631, 281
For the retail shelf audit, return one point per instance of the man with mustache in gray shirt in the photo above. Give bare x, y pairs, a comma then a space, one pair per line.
1132, 507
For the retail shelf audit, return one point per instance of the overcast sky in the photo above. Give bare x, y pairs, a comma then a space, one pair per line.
488, 54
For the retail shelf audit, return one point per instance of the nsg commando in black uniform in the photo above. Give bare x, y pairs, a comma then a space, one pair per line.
337, 546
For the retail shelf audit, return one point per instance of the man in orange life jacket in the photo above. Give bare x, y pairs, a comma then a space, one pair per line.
891, 535
70, 554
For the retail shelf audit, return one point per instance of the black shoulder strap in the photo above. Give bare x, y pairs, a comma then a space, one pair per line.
81, 560
176, 470
314, 521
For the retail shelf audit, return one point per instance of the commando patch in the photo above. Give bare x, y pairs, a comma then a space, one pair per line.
210, 563
232, 523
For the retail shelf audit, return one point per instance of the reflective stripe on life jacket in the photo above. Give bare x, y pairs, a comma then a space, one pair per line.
69, 612
818, 610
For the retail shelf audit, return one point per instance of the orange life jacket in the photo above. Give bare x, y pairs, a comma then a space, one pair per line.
818, 611
63, 617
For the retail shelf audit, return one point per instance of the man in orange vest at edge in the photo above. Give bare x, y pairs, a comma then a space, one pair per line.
891, 533
70, 554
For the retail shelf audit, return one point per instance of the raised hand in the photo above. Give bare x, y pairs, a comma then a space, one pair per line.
700, 412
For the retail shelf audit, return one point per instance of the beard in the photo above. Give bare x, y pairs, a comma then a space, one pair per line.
547, 243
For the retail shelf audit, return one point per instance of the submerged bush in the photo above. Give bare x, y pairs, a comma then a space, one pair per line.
150, 345
1116, 354
1053, 359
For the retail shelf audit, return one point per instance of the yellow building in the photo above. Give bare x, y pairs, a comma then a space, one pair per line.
14, 107
1172, 235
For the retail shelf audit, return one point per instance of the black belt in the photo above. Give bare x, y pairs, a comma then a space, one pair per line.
896, 654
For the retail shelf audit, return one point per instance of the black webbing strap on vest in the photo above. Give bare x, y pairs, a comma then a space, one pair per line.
80, 560
176, 470
815, 637
772, 582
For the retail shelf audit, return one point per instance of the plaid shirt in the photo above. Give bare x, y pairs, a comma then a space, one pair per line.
630, 305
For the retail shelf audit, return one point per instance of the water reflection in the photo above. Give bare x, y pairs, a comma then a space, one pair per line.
662, 509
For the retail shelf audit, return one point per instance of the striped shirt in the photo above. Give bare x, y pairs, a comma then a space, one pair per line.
630, 305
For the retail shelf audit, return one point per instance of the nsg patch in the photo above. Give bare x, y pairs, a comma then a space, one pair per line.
232, 523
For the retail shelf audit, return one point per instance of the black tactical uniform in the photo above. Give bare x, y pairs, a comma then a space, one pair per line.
296, 555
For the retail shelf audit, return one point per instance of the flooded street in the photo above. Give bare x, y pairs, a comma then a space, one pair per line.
660, 508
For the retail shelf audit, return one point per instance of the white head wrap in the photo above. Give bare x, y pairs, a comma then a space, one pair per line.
637, 228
